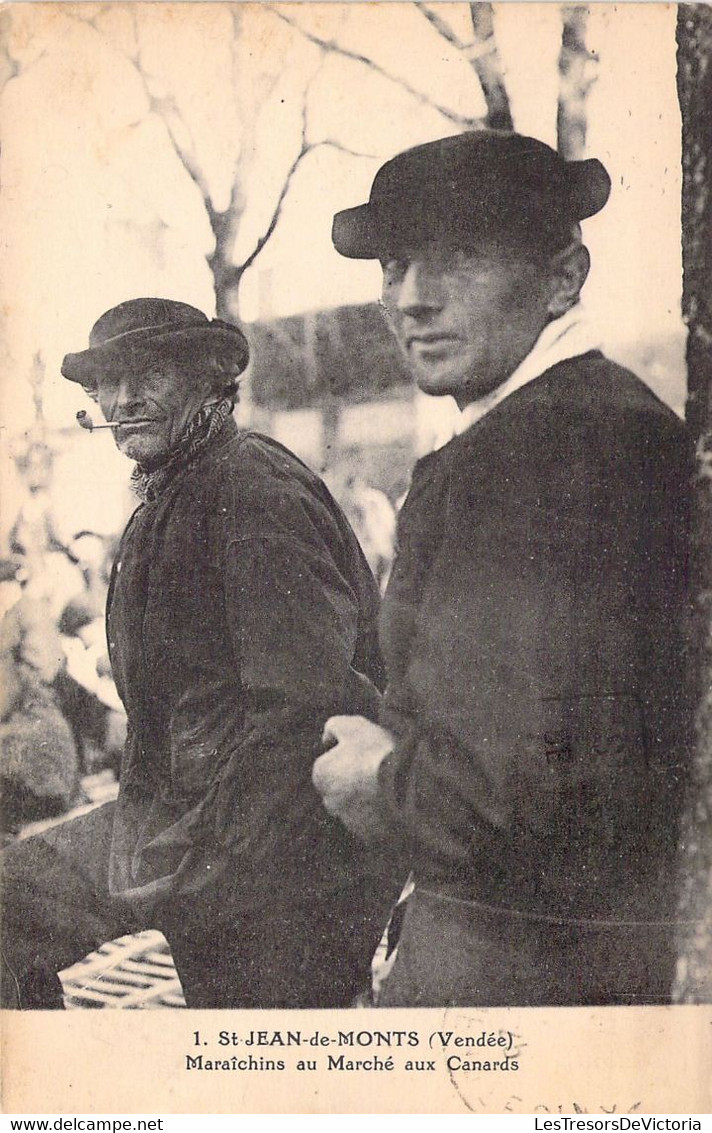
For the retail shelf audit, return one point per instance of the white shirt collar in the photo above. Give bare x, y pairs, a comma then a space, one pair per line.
565, 337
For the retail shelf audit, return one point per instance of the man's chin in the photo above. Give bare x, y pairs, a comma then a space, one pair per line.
144, 454
438, 384
463, 387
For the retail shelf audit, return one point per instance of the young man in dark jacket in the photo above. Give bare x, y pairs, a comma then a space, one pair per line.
241, 614
531, 750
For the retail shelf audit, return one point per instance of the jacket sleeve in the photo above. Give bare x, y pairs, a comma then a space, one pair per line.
293, 621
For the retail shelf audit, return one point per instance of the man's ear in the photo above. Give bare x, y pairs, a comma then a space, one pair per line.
568, 272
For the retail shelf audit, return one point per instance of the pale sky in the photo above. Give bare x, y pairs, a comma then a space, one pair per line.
96, 207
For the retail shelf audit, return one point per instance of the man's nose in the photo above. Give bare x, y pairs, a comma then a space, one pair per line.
418, 291
126, 395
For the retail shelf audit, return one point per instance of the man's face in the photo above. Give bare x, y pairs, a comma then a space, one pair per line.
464, 320
154, 401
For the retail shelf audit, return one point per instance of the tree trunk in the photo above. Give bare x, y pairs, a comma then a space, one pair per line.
694, 39
486, 63
226, 275
576, 75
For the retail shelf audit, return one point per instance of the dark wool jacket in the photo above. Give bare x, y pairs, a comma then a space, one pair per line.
533, 637
241, 614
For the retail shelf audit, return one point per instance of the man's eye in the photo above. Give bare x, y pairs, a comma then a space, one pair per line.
91, 392
393, 271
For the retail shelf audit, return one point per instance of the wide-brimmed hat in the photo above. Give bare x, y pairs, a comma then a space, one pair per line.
153, 327
470, 187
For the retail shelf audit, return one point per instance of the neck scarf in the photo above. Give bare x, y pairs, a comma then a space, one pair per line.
207, 423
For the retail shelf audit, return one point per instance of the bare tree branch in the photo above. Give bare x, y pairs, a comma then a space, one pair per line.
261, 89
334, 48
235, 19
94, 12
277, 212
485, 61
333, 144
165, 107
481, 53
268, 82
442, 28
306, 147
223, 223
10, 67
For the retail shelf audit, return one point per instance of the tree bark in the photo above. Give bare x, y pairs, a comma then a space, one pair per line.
226, 275
694, 40
577, 67
485, 60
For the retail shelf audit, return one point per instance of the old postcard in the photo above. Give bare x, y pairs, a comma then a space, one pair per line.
431, 256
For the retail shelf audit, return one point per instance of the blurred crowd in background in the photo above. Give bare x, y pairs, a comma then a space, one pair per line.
61, 717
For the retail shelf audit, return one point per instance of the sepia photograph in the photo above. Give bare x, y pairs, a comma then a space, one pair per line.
356, 544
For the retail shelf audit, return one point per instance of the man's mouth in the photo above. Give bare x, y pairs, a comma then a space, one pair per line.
431, 342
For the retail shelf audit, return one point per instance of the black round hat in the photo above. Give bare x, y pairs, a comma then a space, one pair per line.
160, 326
481, 184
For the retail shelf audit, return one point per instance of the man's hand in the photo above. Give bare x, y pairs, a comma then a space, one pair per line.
346, 776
